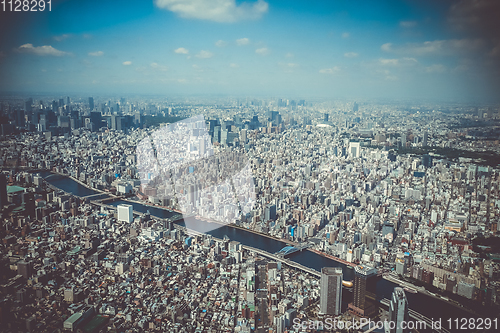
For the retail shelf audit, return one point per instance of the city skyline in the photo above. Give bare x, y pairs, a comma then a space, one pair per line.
401, 50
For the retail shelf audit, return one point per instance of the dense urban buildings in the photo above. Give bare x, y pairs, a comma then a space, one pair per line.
246, 214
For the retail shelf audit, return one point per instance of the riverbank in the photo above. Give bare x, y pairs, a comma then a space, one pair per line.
390, 277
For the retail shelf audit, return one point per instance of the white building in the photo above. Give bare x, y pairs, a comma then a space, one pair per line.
125, 213
354, 149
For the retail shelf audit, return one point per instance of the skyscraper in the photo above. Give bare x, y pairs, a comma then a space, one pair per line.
398, 310
91, 103
364, 303
426, 137
96, 120
331, 291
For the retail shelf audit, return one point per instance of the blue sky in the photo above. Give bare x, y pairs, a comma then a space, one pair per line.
447, 50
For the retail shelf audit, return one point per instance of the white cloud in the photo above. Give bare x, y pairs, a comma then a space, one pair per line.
332, 70
242, 41
436, 68
127, 63
289, 55
346, 35
215, 10
158, 67
437, 47
387, 47
87, 36
394, 62
408, 24
398, 62
204, 54
220, 43
96, 53
350, 55
45, 50
262, 51
61, 37
181, 50
233, 65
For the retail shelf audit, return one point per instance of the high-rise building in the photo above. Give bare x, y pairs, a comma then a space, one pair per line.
355, 107
243, 136
331, 291
426, 137
403, 140
91, 103
96, 120
125, 213
364, 303
354, 149
427, 160
325, 117
398, 311
270, 213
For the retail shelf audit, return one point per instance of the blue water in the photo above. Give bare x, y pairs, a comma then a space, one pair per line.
428, 306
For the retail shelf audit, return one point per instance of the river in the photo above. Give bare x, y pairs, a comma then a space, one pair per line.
424, 304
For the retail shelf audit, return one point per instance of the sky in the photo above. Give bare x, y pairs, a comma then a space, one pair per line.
425, 49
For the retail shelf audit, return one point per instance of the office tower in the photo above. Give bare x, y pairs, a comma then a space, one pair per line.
355, 107
354, 149
3, 190
427, 160
426, 137
202, 145
96, 120
28, 105
364, 303
243, 136
223, 136
331, 291
403, 140
217, 134
61, 102
68, 101
125, 213
325, 117
20, 119
91, 103
270, 213
398, 310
